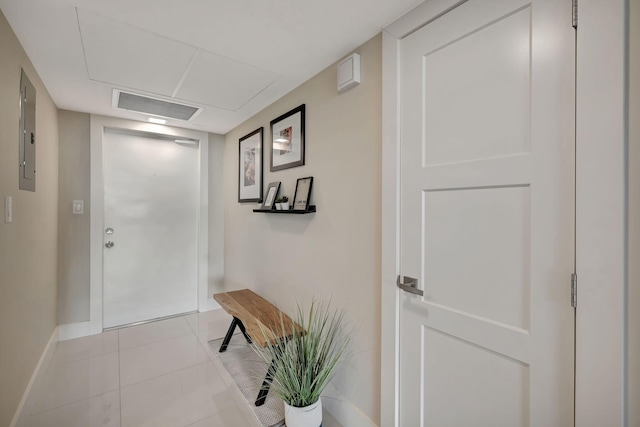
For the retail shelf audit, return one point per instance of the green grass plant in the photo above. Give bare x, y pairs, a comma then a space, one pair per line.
306, 361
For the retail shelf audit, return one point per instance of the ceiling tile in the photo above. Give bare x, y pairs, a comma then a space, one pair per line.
124, 55
222, 82
294, 40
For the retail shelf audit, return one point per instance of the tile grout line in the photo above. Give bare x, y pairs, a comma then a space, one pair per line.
202, 347
170, 373
207, 361
57, 364
153, 342
88, 397
70, 403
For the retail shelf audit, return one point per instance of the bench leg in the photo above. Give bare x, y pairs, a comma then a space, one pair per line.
266, 384
227, 338
235, 322
243, 330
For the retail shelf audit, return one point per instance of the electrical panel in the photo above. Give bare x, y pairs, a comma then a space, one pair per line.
27, 137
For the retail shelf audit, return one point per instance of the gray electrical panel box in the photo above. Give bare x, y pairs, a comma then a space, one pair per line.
27, 135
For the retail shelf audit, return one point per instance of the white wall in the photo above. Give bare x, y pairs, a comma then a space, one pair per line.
334, 253
73, 230
28, 245
633, 307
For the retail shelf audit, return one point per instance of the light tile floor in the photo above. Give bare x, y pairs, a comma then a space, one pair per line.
157, 374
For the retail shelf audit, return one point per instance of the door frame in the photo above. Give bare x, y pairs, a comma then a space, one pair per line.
601, 195
98, 125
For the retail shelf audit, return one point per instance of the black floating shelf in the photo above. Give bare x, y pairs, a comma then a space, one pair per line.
312, 209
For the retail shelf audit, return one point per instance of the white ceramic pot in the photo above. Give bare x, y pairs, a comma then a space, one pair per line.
285, 206
309, 416
278, 206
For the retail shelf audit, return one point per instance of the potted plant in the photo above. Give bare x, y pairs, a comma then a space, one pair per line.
305, 362
285, 203
278, 204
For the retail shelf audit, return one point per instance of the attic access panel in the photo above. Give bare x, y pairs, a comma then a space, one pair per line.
27, 136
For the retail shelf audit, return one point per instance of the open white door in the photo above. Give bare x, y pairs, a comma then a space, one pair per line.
487, 113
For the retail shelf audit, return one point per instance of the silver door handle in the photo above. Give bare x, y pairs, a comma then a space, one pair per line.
410, 285
109, 245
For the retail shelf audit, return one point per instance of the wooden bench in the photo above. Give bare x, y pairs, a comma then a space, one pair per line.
260, 322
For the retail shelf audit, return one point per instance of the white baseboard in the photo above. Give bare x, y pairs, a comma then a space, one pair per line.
44, 361
345, 412
70, 331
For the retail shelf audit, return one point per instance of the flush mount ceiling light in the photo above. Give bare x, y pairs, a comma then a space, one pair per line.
186, 141
153, 106
157, 120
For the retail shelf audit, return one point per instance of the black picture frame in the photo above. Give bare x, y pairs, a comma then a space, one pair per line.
287, 140
271, 195
303, 194
250, 170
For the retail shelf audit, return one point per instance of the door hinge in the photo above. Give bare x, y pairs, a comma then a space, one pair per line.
574, 290
574, 13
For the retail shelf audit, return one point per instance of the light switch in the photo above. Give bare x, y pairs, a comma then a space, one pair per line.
8, 209
78, 207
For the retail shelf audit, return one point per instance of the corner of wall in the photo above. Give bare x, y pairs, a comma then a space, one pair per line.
28, 245
215, 279
36, 377
73, 230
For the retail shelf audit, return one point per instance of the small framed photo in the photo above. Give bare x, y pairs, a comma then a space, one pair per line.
287, 140
250, 167
270, 195
303, 194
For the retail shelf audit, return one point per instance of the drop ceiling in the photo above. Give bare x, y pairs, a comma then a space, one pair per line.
230, 58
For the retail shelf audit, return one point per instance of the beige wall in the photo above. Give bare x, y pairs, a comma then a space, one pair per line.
633, 308
28, 244
73, 230
334, 253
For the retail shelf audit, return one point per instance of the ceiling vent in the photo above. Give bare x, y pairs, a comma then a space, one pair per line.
153, 106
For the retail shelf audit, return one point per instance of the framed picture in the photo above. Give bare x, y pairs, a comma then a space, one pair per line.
287, 140
270, 195
250, 167
303, 194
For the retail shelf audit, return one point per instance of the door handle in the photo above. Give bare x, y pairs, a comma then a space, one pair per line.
410, 285
109, 244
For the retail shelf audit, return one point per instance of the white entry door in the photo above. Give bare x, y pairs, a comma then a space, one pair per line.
151, 191
487, 216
